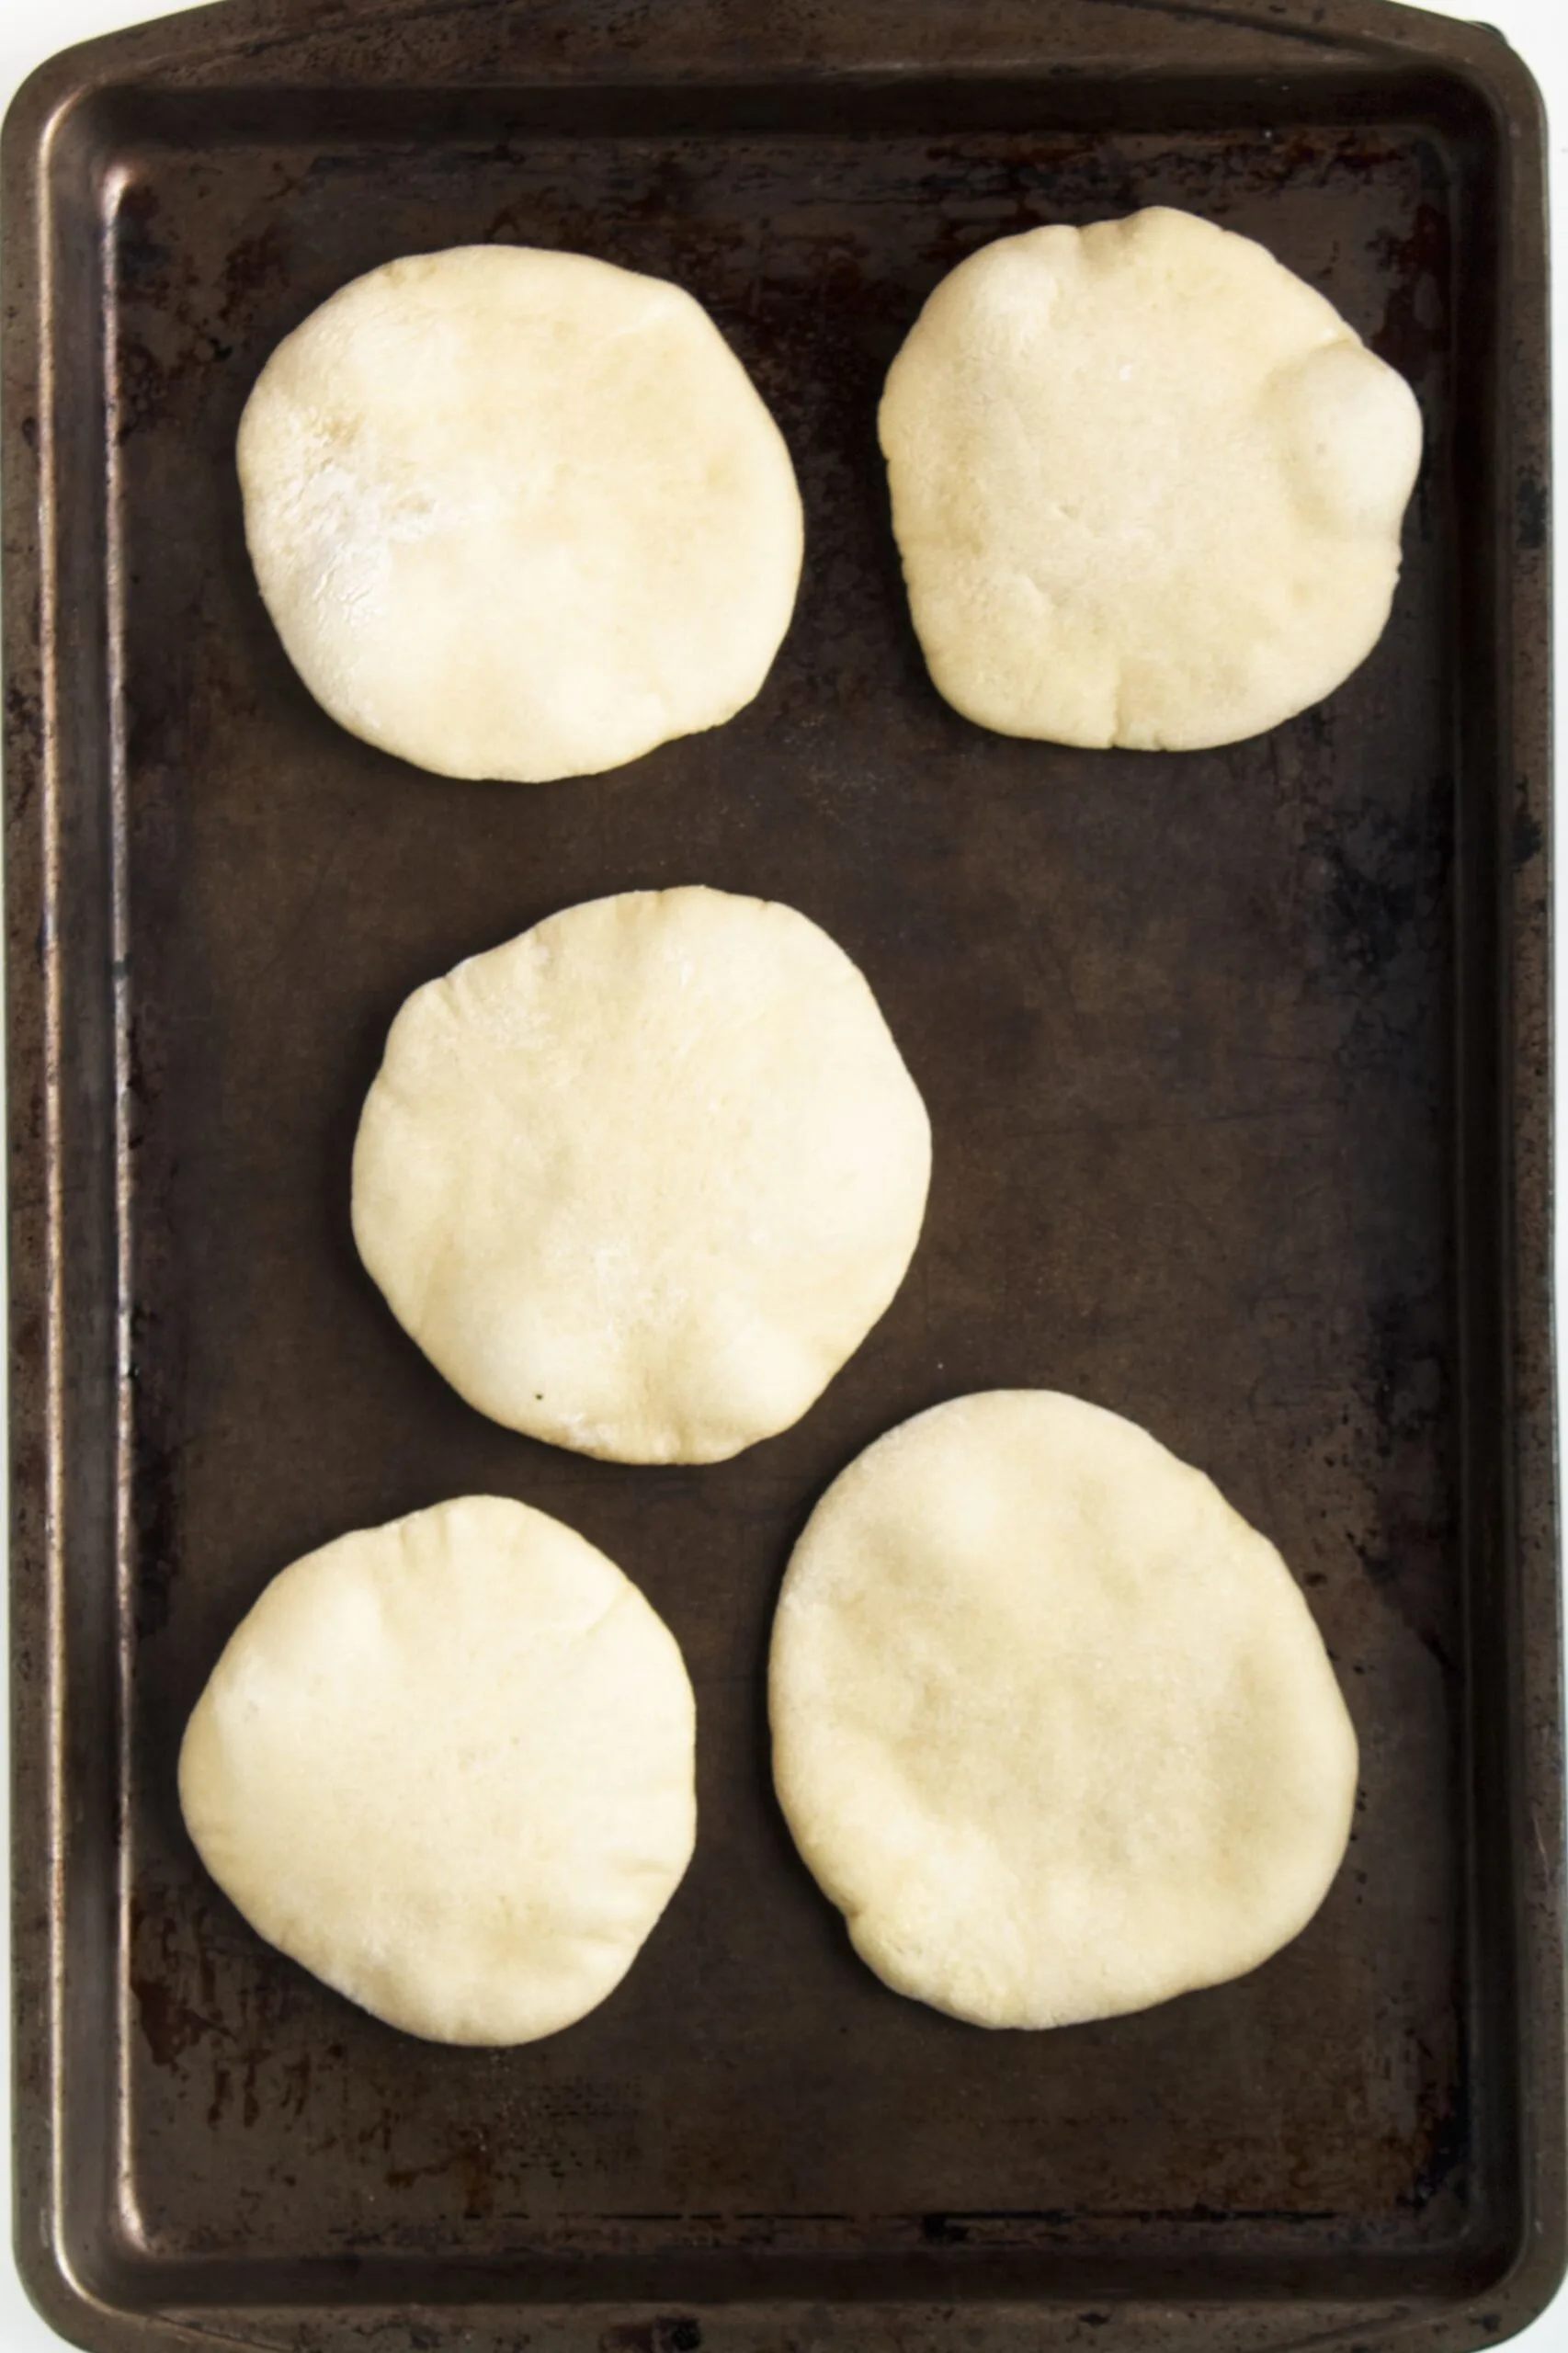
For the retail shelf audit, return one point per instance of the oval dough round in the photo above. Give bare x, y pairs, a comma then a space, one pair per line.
447, 1766
1147, 485
639, 1181
519, 514
1052, 1725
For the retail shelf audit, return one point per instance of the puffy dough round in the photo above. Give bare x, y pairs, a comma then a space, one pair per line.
1052, 1725
1147, 485
519, 514
641, 1181
447, 1766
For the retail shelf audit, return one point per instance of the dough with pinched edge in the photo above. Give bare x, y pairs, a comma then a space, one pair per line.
1052, 1724
519, 514
447, 1766
639, 1181
1147, 485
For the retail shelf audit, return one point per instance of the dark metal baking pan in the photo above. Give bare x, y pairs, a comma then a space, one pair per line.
1238, 1066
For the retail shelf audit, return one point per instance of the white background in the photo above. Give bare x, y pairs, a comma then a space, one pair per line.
33, 30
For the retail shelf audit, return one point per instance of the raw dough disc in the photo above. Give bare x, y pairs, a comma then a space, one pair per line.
1052, 1725
641, 1181
448, 1765
1147, 485
519, 514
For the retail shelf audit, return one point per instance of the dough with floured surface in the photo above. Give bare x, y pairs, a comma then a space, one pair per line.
519, 514
639, 1181
1052, 1724
1147, 485
447, 1766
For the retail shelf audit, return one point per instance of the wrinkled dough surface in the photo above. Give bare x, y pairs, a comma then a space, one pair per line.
639, 1181
1147, 485
448, 1766
1052, 1725
519, 514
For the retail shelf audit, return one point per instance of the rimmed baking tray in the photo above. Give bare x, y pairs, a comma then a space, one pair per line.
1238, 1066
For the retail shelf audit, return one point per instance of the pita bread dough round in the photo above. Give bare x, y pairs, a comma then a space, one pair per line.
519, 514
641, 1181
1146, 484
1052, 1725
447, 1766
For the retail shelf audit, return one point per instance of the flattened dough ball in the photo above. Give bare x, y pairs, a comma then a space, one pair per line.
447, 1766
1147, 485
519, 514
1052, 1725
641, 1181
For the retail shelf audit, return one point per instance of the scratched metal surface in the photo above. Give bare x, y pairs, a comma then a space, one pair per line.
1192, 1033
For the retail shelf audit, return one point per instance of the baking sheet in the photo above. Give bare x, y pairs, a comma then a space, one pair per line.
1236, 1068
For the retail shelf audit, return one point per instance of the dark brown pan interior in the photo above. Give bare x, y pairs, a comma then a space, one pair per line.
1209, 1044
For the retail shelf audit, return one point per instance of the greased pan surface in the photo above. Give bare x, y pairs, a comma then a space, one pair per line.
1238, 1068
